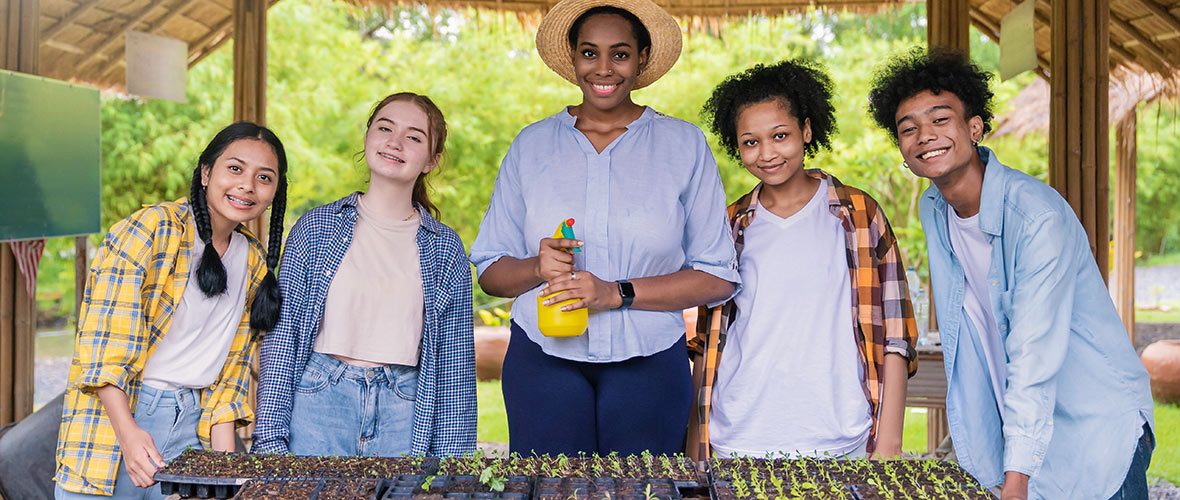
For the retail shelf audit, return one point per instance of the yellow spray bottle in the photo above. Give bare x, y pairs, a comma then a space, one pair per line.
552, 321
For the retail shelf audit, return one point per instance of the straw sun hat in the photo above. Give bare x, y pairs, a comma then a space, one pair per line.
553, 36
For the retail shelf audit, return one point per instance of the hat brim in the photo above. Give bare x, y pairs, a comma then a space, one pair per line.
666, 38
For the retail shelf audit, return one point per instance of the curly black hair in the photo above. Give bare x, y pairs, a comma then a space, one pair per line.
802, 84
936, 70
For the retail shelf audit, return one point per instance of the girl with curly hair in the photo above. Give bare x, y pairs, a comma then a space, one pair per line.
819, 341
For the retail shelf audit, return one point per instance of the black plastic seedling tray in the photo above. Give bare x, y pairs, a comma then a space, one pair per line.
188, 486
604, 488
322, 489
411, 486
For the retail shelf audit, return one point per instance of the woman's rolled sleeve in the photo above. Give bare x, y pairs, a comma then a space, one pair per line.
708, 244
501, 232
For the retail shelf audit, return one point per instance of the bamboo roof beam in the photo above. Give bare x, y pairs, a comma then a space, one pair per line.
172, 14
1162, 14
67, 20
118, 35
64, 47
1134, 33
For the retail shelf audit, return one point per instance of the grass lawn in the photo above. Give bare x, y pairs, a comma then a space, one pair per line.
1156, 316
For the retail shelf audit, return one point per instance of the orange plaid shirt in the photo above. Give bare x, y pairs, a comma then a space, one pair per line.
884, 317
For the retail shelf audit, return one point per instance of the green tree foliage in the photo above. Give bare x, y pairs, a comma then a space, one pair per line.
329, 63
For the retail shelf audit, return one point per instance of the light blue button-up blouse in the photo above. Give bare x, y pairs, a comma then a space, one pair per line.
649, 204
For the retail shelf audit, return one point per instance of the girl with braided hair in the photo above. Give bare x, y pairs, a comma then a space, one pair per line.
373, 353
160, 366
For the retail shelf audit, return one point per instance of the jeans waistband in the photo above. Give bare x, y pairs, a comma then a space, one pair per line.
337, 369
187, 398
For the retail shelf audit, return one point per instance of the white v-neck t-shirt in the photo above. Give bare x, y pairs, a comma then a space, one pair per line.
193, 350
790, 379
974, 252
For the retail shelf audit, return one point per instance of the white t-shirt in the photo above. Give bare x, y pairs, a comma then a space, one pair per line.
193, 350
790, 378
974, 252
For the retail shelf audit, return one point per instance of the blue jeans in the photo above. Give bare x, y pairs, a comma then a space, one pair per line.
347, 410
555, 405
1135, 486
171, 418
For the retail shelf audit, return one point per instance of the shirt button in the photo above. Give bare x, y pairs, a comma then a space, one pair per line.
591, 357
995, 283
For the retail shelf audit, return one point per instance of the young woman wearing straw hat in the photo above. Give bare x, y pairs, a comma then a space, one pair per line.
645, 192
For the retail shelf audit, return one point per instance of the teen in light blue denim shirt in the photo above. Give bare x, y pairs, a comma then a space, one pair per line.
1071, 414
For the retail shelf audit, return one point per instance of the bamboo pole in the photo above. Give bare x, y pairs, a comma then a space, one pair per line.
948, 24
19, 51
249, 32
7, 333
1078, 123
1122, 279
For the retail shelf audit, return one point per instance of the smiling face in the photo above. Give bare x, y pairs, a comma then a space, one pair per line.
770, 141
607, 61
241, 183
397, 144
935, 136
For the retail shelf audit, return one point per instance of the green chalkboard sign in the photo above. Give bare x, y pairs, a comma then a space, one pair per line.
49, 158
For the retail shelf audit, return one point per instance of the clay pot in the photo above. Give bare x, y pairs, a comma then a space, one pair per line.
1162, 360
491, 343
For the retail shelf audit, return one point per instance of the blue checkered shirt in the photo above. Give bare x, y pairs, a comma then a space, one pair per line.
445, 408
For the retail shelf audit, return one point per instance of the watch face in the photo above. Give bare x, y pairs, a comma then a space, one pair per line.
626, 289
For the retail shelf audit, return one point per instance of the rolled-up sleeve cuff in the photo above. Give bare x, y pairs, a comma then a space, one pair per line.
232, 412
269, 445
483, 262
901, 347
99, 376
1023, 455
728, 273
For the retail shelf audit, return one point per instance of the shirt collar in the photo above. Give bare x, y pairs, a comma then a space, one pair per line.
349, 203
991, 196
569, 120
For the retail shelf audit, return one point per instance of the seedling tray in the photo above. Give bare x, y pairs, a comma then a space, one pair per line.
681, 469
206, 474
458, 487
741, 479
605, 488
324, 489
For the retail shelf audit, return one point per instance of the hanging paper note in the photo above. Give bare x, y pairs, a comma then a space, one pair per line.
1018, 47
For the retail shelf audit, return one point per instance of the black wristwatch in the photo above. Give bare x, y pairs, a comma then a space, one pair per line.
627, 292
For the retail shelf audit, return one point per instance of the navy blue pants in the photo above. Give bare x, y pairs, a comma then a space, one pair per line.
560, 406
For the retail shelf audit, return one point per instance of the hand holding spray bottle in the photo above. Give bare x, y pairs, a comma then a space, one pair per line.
552, 321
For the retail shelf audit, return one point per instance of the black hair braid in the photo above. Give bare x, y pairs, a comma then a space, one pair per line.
268, 300
211, 272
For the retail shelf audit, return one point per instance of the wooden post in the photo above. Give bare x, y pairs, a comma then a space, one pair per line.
1122, 276
20, 43
1079, 130
948, 24
249, 18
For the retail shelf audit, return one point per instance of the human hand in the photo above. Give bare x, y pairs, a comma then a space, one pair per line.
554, 259
1015, 486
593, 293
140, 456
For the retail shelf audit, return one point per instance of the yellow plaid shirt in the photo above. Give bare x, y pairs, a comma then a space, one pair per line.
134, 284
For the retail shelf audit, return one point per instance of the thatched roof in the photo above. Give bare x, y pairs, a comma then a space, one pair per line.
1028, 111
82, 40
